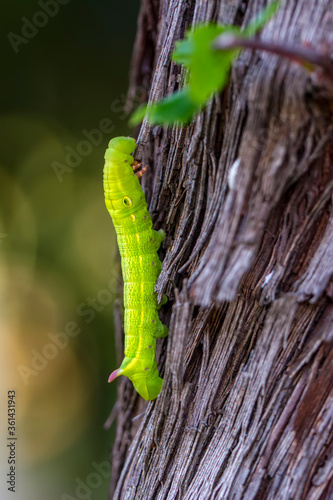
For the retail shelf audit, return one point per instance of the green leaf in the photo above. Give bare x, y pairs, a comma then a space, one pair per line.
175, 108
263, 17
183, 52
138, 115
208, 68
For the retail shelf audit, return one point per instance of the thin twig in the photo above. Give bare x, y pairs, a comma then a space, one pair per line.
306, 56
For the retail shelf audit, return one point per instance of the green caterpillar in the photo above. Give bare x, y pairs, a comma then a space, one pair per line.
138, 244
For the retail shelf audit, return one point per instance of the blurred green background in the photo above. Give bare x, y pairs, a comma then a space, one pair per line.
59, 82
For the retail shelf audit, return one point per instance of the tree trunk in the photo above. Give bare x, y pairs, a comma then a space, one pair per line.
244, 195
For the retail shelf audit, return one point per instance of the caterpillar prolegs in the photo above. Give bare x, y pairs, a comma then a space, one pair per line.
138, 244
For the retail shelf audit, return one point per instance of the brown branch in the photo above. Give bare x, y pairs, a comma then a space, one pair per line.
306, 56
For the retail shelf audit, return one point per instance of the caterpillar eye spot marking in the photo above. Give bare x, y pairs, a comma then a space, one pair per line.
139, 275
127, 202
153, 321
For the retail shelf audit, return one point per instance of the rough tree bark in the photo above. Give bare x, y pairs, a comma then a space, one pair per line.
245, 196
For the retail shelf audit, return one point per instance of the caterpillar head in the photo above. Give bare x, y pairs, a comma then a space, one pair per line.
121, 187
120, 149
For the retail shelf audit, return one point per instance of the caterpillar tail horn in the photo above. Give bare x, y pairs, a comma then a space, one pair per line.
114, 375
